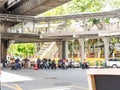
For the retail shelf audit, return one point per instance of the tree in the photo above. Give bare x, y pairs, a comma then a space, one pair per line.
87, 5
91, 43
115, 3
77, 6
113, 41
22, 50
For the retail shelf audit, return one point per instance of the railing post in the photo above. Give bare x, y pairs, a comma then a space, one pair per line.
103, 24
66, 26
22, 27
34, 27
48, 27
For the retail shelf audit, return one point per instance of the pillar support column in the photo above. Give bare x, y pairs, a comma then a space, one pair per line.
59, 45
106, 48
3, 43
82, 44
1, 28
4, 47
66, 49
63, 49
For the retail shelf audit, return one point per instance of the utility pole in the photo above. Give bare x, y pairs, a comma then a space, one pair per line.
0, 45
0, 40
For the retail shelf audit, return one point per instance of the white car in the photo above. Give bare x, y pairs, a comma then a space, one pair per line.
114, 63
76, 64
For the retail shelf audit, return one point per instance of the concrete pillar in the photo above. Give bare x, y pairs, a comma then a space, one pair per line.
66, 49
82, 44
3, 43
72, 48
0, 45
1, 30
4, 46
106, 48
63, 49
59, 45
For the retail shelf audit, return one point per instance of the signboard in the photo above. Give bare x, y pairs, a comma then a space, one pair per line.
104, 79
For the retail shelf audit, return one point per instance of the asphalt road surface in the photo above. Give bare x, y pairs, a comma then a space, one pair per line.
29, 79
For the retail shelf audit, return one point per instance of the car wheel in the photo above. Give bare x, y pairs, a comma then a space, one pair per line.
114, 66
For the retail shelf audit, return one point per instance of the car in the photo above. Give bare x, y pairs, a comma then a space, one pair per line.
114, 63
76, 64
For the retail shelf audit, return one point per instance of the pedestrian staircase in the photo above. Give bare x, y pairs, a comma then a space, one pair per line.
47, 50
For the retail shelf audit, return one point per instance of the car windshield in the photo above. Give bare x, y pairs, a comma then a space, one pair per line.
114, 59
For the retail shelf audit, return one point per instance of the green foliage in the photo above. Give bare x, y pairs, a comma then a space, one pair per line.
113, 41
87, 5
115, 3
22, 49
77, 6
107, 20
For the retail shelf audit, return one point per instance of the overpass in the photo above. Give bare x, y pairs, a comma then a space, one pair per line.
64, 35
58, 37
29, 7
10, 8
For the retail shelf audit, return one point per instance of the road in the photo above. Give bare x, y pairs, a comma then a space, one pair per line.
29, 79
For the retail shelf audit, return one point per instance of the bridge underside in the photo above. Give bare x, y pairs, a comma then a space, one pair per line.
26, 38
35, 7
53, 37
49, 37
29, 7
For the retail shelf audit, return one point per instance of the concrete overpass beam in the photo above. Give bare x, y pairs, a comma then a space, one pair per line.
35, 7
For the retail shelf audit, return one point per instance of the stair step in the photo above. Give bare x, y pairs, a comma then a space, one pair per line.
47, 43
45, 46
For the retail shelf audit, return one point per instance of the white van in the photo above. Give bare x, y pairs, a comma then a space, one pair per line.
114, 63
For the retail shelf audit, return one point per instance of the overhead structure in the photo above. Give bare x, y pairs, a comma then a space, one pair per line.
29, 7
88, 15
2, 4
19, 18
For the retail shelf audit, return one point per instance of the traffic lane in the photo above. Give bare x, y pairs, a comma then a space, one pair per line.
52, 78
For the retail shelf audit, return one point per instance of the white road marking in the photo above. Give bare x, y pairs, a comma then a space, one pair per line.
64, 88
14, 86
9, 77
